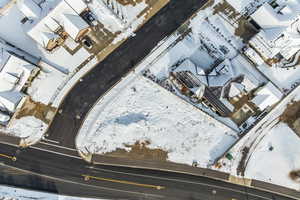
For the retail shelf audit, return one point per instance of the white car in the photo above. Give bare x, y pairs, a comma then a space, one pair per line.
4, 118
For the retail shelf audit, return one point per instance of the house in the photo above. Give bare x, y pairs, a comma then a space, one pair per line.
55, 23
15, 76
278, 36
29, 8
190, 80
267, 96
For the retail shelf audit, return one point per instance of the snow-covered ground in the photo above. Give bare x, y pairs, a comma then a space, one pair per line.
10, 193
274, 166
29, 128
209, 41
139, 110
259, 163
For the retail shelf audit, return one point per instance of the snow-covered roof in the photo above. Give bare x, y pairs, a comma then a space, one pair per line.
235, 89
14, 72
267, 96
279, 29
4, 56
254, 57
78, 5
238, 5
10, 100
73, 24
221, 74
63, 14
188, 65
248, 84
29, 8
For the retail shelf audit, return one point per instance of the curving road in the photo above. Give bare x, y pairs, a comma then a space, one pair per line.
74, 176
102, 77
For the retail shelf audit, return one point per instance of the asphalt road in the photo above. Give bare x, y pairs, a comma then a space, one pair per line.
126, 183
111, 181
83, 96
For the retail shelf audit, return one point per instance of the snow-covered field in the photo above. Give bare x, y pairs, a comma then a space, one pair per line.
10, 193
274, 166
139, 110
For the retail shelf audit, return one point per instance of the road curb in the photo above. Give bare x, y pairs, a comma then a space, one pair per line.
196, 171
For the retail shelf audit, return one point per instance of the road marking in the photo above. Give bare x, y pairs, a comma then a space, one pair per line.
13, 158
88, 177
58, 146
183, 181
49, 140
87, 185
55, 152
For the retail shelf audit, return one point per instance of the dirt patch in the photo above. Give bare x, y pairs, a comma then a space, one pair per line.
240, 170
129, 2
291, 116
140, 151
295, 175
36, 109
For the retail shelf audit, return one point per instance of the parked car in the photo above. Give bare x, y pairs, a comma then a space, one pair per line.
87, 42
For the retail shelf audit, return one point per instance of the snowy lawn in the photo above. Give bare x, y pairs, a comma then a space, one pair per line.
139, 110
274, 166
45, 85
29, 128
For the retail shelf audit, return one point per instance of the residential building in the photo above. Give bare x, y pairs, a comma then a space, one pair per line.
51, 25
278, 38
15, 76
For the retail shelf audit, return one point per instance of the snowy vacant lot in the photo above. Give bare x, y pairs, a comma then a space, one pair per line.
278, 163
139, 110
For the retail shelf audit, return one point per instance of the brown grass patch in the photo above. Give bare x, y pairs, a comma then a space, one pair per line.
291, 115
140, 151
36, 109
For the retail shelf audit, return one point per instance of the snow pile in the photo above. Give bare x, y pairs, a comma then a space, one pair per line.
274, 166
24, 127
140, 110
10, 193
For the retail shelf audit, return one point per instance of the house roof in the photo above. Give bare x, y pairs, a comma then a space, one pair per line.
29, 8
78, 5
235, 89
47, 37
73, 24
62, 14
188, 65
278, 29
14, 73
10, 100
267, 96
239, 5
